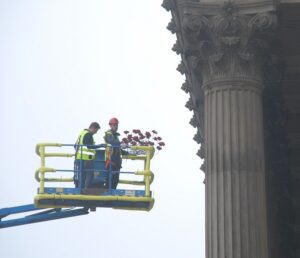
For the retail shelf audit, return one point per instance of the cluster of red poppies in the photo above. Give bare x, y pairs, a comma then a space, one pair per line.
137, 138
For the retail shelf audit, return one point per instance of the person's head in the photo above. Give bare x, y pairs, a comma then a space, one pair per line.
94, 127
113, 123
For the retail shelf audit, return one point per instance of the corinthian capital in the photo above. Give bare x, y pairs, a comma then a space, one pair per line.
228, 45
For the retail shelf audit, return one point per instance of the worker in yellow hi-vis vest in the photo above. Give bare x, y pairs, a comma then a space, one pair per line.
85, 155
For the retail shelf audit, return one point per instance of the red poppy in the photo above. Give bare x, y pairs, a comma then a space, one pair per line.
138, 138
125, 140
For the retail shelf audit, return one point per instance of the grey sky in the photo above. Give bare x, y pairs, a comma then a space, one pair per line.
66, 63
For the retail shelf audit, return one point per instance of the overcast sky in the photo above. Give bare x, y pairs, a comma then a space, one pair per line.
64, 64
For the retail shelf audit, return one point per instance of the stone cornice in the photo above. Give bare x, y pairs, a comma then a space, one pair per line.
213, 8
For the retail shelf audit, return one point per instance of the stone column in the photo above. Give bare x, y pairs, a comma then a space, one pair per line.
225, 53
235, 176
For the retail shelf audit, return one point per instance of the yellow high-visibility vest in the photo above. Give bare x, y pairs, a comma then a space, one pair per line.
83, 152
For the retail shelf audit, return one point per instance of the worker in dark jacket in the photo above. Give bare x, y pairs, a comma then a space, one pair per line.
85, 155
113, 153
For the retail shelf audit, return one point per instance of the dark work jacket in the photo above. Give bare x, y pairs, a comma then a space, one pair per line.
112, 138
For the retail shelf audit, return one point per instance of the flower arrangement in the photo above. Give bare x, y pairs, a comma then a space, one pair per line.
138, 138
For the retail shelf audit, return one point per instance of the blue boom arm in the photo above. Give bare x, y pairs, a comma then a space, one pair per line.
44, 215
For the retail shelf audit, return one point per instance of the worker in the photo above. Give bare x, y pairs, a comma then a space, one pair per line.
85, 155
113, 152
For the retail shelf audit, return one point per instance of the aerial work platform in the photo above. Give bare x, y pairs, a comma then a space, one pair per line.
100, 194
55, 198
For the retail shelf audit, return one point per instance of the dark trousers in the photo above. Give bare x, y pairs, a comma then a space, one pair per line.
83, 177
113, 176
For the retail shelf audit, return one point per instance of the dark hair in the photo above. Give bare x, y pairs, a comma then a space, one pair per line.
94, 125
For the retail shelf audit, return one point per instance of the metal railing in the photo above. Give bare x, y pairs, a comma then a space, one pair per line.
42, 151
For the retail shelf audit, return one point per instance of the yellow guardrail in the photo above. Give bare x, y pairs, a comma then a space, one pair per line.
40, 173
148, 175
40, 150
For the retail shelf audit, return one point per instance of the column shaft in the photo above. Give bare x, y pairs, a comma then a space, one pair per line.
235, 175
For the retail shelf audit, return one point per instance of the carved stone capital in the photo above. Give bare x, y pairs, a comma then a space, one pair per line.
227, 45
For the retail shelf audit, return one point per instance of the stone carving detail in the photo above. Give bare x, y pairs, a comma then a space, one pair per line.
190, 105
182, 68
227, 45
172, 26
198, 137
194, 121
186, 87
168, 5
262, 22
203, 168
201, 152
177, 48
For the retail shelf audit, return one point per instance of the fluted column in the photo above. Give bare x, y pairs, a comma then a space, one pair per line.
235, 177
223, 55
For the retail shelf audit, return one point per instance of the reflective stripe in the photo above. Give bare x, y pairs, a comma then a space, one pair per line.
107, 149
107, 157
83, 152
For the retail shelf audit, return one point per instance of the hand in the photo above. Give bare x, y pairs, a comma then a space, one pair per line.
123, 146
132, 152
140, 152
100, 145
